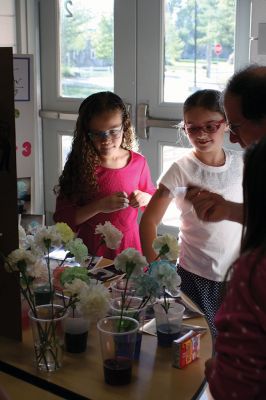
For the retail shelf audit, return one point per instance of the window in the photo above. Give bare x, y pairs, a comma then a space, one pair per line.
65, 146
199, 46
8, 24
86, 32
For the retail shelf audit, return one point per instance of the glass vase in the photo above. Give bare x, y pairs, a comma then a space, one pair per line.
168, 324
48, 336
118, 340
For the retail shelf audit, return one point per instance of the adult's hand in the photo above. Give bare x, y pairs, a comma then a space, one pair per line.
209, 206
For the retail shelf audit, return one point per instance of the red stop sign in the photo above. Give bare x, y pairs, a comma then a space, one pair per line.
218, 49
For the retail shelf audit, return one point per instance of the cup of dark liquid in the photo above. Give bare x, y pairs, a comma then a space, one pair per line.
118, 339
76, 332
42, 294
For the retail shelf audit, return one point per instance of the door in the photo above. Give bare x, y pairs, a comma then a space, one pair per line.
86, 46
163, 50
186, 46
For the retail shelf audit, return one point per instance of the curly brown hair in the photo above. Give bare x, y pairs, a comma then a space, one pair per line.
78, 180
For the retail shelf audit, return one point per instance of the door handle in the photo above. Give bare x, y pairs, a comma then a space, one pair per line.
144, 122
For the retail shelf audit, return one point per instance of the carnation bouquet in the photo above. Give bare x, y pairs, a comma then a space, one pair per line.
164, 271
150, 280
32, 262
168, 315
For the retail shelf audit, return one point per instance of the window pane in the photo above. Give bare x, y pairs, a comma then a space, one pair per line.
86, 37
169, 155
199, 46
66, 143
8, 24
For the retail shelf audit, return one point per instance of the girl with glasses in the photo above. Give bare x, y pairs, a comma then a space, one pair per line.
206, 249
104, 179
245, 108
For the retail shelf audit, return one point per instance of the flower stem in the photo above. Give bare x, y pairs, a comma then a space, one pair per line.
50, 279
123, 304
62, 262
92, 257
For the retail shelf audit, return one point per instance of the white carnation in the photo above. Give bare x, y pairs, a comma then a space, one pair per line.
94, 301
110, 234
47, 238
130, 261
17, 256
75, 287
166, 246
22, 237
30, 245
37, 270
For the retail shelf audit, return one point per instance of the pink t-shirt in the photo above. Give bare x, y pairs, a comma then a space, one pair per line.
238, 370
135, 175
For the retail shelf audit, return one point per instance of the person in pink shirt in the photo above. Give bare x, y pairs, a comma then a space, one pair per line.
238, 370
104, 179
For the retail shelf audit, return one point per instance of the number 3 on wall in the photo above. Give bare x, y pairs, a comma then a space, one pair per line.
26, 146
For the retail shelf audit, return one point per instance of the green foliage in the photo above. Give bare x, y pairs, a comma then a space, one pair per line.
69, 274
213, 21
74, 33
103, 40
66, 71
173, 44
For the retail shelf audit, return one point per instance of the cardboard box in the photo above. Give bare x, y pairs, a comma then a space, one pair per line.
186, 349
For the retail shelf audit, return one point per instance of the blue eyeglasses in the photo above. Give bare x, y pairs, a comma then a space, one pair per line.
112, 133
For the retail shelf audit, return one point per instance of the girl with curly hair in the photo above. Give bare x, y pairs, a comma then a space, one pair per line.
104, 179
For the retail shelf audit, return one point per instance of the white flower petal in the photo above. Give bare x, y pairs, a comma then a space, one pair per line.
171, 242
94, 301
110, 234
130, 259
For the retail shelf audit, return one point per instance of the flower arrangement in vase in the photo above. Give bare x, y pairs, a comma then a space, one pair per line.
150, 282
32, 262
88, 299
168, 315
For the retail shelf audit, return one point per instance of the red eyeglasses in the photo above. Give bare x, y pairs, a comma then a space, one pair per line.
210, 127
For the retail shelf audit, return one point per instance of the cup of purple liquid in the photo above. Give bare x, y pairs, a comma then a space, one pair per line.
134, 308
168, 323
118, 340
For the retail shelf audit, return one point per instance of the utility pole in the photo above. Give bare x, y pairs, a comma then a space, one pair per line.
195, 42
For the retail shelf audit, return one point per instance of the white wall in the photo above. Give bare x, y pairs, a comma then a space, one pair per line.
258, 15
